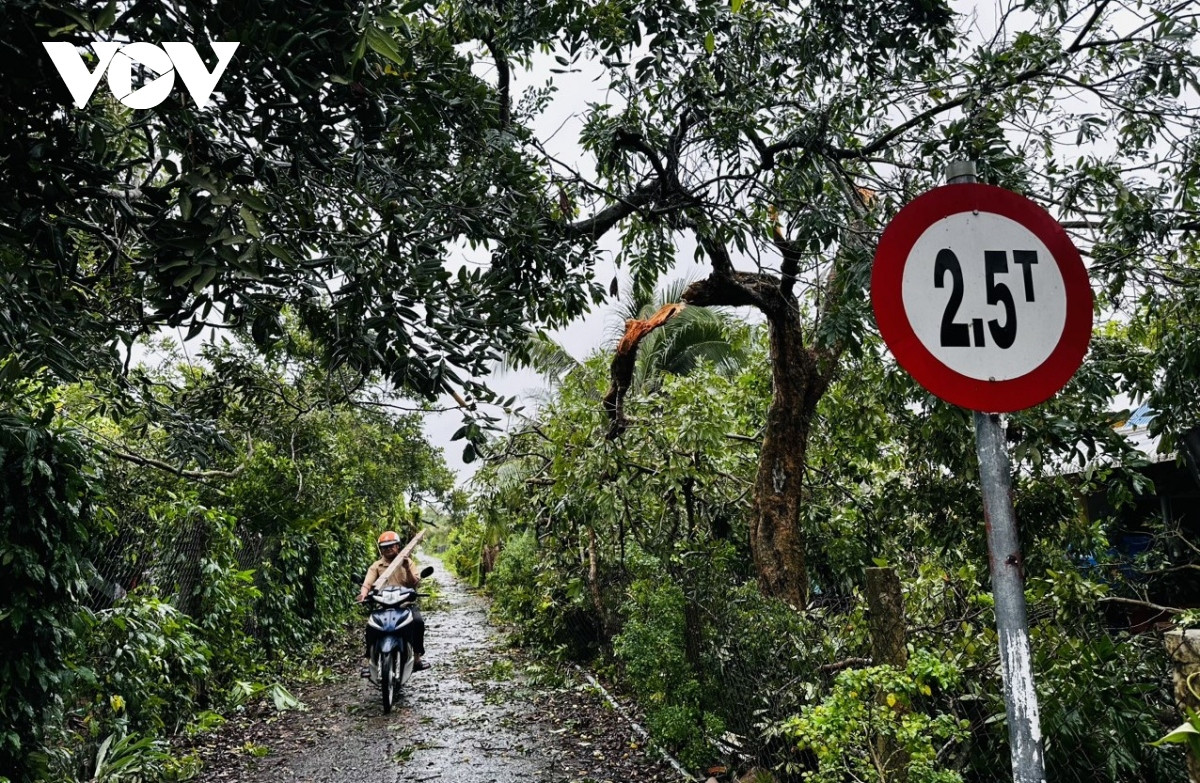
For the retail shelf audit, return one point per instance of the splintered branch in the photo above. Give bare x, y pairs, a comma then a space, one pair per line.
620, 372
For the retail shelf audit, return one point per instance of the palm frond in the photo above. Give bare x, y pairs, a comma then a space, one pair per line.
541, 354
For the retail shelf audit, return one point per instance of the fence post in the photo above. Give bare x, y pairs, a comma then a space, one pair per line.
889, 645
1184, 649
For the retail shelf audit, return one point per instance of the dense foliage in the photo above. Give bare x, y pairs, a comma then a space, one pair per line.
168, 559
45, 508
633, 555
349, 155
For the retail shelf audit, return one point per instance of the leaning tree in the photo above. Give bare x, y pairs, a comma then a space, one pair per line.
780, 136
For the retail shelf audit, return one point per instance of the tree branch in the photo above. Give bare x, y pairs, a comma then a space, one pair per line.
1112, 599
503, 80
599, 224
624, 360
150, 462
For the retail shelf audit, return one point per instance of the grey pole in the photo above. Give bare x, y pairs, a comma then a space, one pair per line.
1008, 580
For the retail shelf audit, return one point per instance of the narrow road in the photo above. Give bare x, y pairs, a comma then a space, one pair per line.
471, 718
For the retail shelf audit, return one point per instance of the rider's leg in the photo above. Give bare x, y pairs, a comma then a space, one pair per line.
417, 637
369, 635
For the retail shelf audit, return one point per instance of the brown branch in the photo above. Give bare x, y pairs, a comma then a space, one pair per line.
1111, 599
848, 663
150, 462
624, 139
739, 289
1171, 570
766, 156
904, 127
1088, 26
599, 224
721, 262
621, 370
791, 259
503, 80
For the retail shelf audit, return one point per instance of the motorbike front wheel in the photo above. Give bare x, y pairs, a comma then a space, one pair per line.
387, 679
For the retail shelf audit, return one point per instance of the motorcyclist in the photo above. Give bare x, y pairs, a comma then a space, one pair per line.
403, 576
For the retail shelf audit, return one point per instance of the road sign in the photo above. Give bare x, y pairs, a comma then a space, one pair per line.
981, 296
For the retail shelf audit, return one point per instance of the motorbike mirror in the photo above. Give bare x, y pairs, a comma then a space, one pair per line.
426, 571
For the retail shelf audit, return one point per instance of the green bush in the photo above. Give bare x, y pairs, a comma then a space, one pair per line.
142, 669
878, 716
1101, 705
46, 493
546, 604
654, 648
464, 544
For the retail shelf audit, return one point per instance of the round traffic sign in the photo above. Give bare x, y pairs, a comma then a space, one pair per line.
981, 296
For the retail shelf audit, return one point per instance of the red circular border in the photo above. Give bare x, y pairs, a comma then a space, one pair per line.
898, 239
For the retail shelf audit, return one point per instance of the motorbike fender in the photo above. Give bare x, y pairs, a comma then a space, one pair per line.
389, 643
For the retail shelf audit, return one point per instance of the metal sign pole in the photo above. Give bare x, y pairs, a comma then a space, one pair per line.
1008, 581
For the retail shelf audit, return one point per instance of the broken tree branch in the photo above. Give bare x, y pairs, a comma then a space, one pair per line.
624, 360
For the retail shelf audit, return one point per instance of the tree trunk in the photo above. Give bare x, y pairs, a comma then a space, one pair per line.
800, 375
776, 536
889, 645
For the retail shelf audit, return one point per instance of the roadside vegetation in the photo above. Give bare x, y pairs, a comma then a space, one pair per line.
170, 561
370, 217
630, 557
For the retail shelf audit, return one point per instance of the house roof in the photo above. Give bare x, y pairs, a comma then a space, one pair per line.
1136, 430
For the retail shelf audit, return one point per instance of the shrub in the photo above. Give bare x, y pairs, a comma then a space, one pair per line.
546, 605
880, 707
654, 648
143, 666
47, 488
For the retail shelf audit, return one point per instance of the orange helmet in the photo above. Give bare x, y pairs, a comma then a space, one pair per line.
388, 538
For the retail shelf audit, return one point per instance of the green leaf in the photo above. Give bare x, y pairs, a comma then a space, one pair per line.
251, 222
1185, 733
107, 16
284, 700
383, 45
254, 202
280, 252
710, 42
736, 5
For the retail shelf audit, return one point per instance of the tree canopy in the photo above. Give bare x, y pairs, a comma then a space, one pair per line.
780, 137
349, 155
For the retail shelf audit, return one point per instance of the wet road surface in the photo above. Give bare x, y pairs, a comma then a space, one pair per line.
468, 719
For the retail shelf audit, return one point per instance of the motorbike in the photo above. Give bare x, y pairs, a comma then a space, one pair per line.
391, 656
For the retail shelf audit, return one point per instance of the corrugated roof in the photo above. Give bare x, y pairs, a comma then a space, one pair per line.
1136, 430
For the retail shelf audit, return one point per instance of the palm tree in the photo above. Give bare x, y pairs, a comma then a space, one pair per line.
693, 335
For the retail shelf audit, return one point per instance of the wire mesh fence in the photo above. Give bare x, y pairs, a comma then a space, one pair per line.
171, 561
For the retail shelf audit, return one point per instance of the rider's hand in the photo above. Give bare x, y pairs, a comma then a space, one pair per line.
405, 562
362, 596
